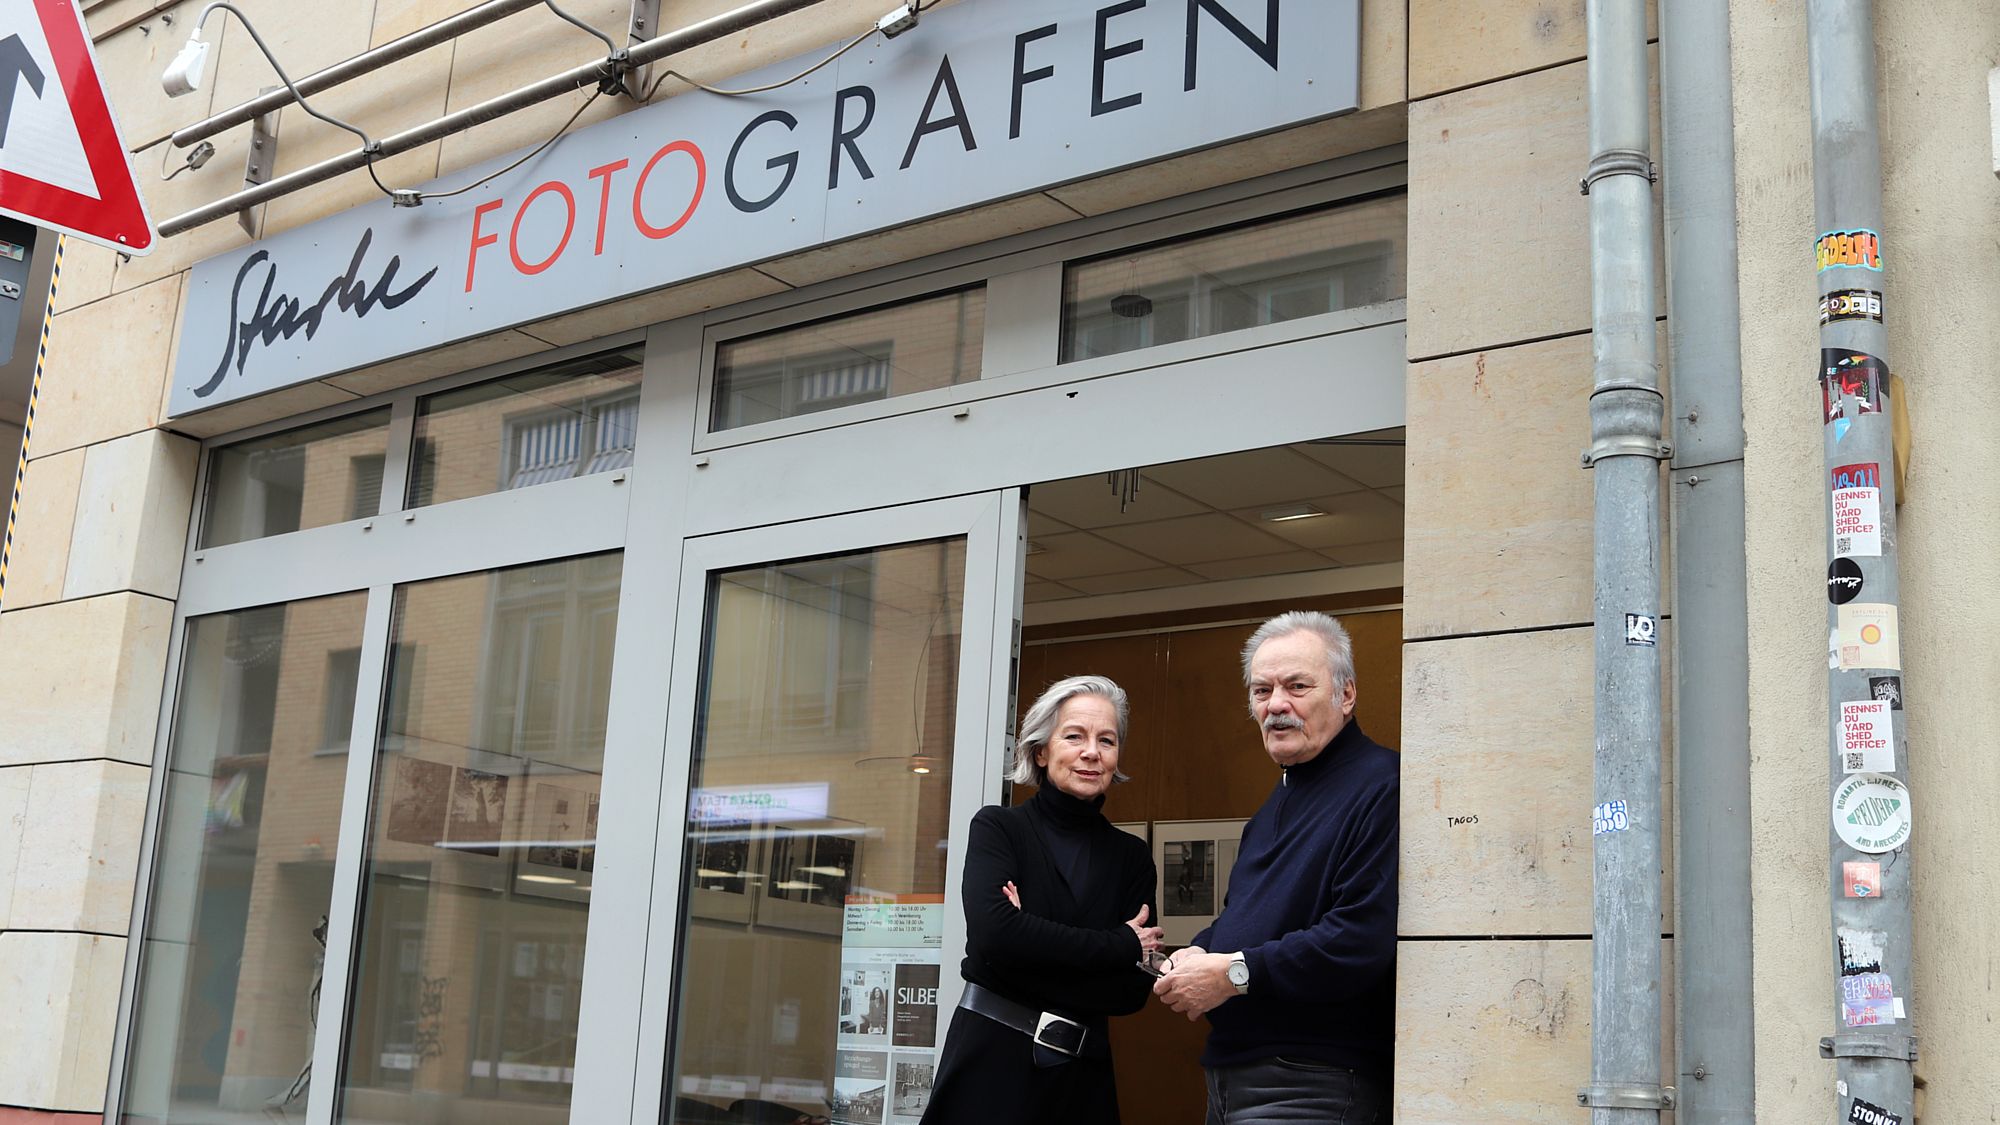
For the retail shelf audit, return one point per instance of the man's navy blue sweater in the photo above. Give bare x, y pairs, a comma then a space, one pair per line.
1312, 906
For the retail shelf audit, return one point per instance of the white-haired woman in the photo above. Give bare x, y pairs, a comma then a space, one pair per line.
1056, 906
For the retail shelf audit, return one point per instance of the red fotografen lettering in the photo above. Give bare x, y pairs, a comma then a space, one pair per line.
605, 175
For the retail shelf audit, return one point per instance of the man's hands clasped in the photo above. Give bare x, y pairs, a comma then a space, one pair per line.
1196, 981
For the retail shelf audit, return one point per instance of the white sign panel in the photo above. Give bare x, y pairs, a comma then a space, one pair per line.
1867, 737
982, 101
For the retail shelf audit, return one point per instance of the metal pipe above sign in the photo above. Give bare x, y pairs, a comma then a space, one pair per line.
982, 102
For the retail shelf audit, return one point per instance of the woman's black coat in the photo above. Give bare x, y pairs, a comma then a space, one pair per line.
1066, 950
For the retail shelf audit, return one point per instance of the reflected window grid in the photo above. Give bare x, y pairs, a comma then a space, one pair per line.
854, 358
302, 478
1266, 272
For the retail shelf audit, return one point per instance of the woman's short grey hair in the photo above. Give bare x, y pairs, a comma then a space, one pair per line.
1040, 724
1339, 649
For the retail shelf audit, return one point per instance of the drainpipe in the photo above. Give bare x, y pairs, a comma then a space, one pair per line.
1712, 1022
1869, 861
1625, 453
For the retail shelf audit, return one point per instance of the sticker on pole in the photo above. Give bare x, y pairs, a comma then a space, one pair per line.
1867, 737
1871, 813
1865, 635
1641, 630
62, 165
1857, 509
1611, 816
1868, 1113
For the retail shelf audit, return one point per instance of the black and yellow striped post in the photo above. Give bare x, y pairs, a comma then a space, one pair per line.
28, 424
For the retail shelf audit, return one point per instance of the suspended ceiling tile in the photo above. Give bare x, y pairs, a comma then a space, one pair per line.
1357, 517
1079, 553
1195, 539
1256, 477
1046, 592
1288, 562
1133, 580
1367, 554
1090, 502
1040, 523
1377, 466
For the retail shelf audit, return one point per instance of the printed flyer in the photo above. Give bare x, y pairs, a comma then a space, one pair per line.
891, 958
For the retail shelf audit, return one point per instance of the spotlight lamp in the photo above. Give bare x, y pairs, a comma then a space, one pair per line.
183, 75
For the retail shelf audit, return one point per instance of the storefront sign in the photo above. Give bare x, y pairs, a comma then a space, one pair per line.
979, 103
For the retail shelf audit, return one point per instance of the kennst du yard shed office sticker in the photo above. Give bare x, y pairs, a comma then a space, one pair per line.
1857, 509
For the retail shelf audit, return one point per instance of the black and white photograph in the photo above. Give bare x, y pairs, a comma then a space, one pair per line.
910, 1088
1193, 858
864, 1001
478, 811
419, 800
556, 829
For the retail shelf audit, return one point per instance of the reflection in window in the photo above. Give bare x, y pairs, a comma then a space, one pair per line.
482, 852
859, 357
1272, 271
308, 477
236, 926
817, 826
553, 423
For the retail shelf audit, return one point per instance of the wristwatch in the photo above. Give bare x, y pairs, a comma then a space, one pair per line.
1239, 974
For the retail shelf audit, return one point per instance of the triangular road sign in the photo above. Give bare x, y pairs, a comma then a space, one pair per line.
62, 165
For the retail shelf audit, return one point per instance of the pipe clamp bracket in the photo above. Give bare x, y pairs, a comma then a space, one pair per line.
1626, 445
1869, 1045
1626, 1097
1618, 162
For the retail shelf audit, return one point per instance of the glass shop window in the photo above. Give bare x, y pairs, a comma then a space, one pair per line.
854, 358
811, 940
308, 477
229, 973
553, 423
482, 847
1266, 272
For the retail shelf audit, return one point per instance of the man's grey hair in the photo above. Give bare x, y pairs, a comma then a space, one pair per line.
1339, 649
1040, 724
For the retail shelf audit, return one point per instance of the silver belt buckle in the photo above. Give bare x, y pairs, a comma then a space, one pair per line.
1050, 1019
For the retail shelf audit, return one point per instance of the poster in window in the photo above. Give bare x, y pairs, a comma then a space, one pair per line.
860, 1087
478, 812
896, 944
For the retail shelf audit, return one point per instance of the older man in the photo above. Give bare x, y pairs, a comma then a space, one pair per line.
1301, 1006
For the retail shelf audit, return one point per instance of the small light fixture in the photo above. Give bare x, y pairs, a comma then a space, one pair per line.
919, 763
183, 75
1132, 306
798, 885
548, 879
830, 872
1288, 512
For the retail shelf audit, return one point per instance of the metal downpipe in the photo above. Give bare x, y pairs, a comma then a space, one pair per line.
1626, 418
1712, 932
1869, 861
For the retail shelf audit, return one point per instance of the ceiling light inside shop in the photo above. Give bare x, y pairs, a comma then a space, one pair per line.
798, 885
548, 879
1287, 512
833, 872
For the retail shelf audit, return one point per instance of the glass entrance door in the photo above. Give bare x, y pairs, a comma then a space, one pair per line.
845, 707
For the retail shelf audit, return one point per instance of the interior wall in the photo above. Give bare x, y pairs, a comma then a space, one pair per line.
1194, 754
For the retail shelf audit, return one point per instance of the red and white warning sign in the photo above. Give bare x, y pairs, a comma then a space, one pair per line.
62, 165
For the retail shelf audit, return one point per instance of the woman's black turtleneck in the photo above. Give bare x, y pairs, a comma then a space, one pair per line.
1068, 825
1066, 947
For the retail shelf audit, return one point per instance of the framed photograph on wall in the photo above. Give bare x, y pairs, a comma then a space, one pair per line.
1192, 858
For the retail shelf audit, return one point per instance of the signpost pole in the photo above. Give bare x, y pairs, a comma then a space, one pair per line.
28, 423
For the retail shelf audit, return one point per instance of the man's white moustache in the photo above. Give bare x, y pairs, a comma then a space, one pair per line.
1283, 722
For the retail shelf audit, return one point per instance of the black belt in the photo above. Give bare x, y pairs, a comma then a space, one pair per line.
1058, 1033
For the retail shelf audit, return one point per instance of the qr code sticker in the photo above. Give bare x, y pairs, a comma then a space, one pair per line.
1843, 544
1851, 762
